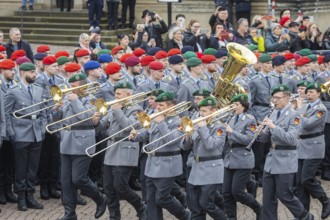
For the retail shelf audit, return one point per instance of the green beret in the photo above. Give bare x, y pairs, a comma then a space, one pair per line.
313, 86
264, 58
77, 77
62, 60
281, 88
209, 101
103, 51
252, 47
166, 96
123, 85
312, 57
210, 51
194, 61
27, 67
189, 54
239, 97
303, 83
202, 92
304, 52
156, 92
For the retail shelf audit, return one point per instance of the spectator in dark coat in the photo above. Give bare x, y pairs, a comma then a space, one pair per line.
155, 31
298, 40
220, 16
275, 40
326, 39
96, 42
175, 39
241, 36
314, 36
16, 43
200, 41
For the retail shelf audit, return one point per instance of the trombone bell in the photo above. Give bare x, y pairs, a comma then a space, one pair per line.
144, 119
325, 88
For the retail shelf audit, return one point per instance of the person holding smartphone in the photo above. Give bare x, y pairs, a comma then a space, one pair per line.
314, 36
276, 39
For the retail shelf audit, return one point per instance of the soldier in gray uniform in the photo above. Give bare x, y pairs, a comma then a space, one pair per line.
261, 86
156, 70
7, 157
175, 77
210, 71
104, 60
133, 71
243, 80
193, 83
238, 161
26, 133
313, 67
120, 160
290, 64
221, 56
302, 72
207, 167
164, 165
74, 140
282, 129
311, 149
278, 75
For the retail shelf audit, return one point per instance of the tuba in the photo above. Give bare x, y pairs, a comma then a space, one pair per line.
225, 89
325, 88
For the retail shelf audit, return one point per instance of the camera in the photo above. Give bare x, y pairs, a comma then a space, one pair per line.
152, 15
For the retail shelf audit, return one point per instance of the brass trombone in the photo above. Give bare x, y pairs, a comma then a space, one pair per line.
144, 120
325, 88
187, 126
57, 95
100, 106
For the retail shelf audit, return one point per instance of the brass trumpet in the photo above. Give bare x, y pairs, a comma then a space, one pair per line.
325, 88
144, 120
187, 126
100, 106
57, 95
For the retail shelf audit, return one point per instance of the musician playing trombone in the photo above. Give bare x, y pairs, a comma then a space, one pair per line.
282, 129
120, 159
206, 173
74, 140
238, 161
165, 164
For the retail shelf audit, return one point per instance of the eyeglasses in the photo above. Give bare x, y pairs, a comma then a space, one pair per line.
196, 26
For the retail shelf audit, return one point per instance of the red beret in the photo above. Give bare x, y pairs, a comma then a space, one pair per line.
116, 49
283, 20
72, 67
257, 54
62, 53
161, 54
156, 65
132, 61
139, 52
289, 56
302, 61
146, 60
199, 55
174, 51
17, 53
7, 64
2, 48
49, 60
112, 68
43, 49
21, 60
320, 59
125, 56
82, 53
208, 58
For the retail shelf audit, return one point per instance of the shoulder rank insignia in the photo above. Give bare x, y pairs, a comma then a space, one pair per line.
219, 132
253, 127
296, 121
319, 114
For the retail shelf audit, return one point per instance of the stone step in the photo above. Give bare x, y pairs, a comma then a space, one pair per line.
50, 20
64, 37
53, 13
63, 43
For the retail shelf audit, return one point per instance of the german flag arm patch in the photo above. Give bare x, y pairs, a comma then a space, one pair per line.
296, 121
319, 114
253, 127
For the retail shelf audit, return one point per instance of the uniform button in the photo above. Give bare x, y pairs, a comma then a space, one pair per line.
170, 158
213, 164
129, 146
245, 153
83, 136
231, 151
289, 154
315, 142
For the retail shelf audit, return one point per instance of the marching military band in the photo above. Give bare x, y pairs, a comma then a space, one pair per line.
176, 131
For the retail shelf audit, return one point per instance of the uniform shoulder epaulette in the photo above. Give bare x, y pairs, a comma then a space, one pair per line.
168, 77
204, 77
103, 85
249, 116
36, 84
254, 77
185, 81
0, 82
285, 75
15, 86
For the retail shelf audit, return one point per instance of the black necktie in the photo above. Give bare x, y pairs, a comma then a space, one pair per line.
280, 79
52, 81
236, 119
134, 81
8, 85
157, 85
198, 84
278, 115
267, 78
212, 80
178, 80
30, 92
309, 106
304, 78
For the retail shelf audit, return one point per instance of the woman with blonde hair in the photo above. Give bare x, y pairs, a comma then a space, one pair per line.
175, 39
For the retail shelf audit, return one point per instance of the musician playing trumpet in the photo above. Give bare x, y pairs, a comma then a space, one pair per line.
165, 164
238, 161
120, 160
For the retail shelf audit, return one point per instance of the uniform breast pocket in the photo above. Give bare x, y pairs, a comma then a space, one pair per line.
84, 138
128, 152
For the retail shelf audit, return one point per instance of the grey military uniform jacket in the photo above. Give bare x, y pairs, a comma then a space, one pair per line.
208, 77
2, 118
297, 77
128, 79
170, 79
106, 92
260, 93
207, 141
243, 132
125, 153
285, 80
285, 133
313, 121
75, 141
25, 130
163, 166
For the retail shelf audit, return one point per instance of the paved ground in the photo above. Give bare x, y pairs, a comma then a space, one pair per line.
53, 210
